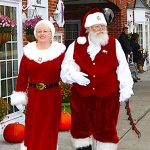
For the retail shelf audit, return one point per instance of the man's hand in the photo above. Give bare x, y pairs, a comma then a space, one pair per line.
80, 78
124, 97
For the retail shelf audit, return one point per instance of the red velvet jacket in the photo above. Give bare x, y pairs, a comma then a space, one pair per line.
101, 71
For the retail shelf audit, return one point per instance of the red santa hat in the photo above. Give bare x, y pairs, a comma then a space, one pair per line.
92, 17
48, 24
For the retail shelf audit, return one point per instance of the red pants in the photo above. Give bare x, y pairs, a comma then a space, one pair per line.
96, 116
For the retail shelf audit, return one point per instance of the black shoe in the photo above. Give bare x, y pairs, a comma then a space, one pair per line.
85, 148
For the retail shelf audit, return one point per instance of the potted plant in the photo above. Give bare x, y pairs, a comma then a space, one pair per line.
7, 25
4, 107
65, 121
65, 92
28, 27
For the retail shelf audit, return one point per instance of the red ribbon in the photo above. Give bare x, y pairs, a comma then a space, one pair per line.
127, 107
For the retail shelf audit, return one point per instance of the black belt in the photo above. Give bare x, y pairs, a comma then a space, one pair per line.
42, 86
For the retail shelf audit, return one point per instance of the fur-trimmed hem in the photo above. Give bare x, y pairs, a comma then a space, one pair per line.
106, 146
19, 98
23, 147
79, 143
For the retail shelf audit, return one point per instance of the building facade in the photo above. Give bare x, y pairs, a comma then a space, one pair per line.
124, 12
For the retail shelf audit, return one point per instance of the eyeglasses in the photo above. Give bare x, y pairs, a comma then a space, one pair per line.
44, 32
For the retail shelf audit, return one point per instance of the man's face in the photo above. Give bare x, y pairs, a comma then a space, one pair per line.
126, 30
98, 28
98, 34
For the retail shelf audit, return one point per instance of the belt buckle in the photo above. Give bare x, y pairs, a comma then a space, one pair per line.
40, 86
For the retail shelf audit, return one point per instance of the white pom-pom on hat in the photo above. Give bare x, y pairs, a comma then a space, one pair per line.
81, 40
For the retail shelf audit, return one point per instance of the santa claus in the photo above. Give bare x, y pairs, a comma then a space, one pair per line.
96, 66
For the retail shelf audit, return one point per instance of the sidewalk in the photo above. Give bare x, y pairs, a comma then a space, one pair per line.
140, 108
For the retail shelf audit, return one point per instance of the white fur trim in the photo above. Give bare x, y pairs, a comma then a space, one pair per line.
23, 147
81, 40
95, 18
77, 143
40, 56
106, 146
19, 98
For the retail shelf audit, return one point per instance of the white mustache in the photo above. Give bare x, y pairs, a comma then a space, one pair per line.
100, 38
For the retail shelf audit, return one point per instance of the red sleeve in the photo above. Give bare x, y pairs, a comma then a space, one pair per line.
22, 80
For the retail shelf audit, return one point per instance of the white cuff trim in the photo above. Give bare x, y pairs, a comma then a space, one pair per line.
125, 94
77, 143
19, 98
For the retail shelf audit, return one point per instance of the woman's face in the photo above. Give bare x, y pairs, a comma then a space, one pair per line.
43, 34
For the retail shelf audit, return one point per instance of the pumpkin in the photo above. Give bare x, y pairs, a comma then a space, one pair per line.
65, 121
14, 133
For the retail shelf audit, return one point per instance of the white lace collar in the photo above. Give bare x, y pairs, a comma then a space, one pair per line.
40, 56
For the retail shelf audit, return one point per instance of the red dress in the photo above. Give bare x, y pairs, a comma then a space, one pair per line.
44, 106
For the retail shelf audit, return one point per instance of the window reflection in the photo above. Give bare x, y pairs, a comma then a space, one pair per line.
9, 69
2, 52
15, 67
3, 88
3, 70
14, 50
10, 87
1, 9
8, 51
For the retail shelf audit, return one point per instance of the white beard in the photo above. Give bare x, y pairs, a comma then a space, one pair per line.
99, 38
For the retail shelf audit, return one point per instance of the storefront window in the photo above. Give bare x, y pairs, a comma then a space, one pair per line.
71, 31
139, 30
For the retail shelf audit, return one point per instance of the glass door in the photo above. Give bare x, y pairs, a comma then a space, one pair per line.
8, 59
10, 52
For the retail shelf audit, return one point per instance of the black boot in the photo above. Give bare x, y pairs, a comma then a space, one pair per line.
85, 148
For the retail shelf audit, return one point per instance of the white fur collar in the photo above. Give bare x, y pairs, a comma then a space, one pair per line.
40, 56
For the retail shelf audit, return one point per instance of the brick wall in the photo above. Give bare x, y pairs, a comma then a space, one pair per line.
114, 28
76, 12
121, 16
